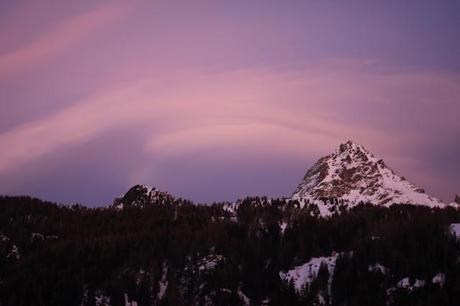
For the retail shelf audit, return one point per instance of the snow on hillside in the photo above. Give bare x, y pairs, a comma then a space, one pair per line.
209, 262
352, 175
439, 279
377, 268
302, 276
14, 253
163, 283
407, 284
128, 301
100, 299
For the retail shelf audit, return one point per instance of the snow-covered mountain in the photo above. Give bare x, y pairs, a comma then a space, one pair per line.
142, 195
352, 175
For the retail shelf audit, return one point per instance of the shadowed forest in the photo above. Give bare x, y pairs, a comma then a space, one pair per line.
174, 252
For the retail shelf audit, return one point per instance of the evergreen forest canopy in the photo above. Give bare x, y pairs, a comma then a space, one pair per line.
173, 252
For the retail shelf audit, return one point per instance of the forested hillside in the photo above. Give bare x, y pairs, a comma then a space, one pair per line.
260, 252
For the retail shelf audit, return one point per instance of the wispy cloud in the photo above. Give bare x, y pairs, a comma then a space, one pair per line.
61, 37
291, 113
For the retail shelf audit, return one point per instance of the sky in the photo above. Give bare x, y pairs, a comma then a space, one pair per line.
218, 100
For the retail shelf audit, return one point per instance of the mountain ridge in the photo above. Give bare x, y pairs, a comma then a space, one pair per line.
343, 179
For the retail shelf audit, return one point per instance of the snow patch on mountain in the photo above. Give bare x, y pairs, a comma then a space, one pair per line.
163, 283
283, 226
244, 298
302, 276
209, 262
231, 208
439, 279
14, 253
407, 284
128, 301
377, 268
101, 299
37, 236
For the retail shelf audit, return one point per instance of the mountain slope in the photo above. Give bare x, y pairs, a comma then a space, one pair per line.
352, 175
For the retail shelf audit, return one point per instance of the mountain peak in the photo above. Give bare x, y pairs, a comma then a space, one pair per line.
351, 147
353, 174
142, 195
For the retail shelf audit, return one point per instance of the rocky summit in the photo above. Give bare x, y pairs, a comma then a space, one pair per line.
352, 175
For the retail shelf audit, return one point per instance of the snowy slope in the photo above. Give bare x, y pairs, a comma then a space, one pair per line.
352, 175
302, 276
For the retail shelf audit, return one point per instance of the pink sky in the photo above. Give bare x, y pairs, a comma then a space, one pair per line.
216, 101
